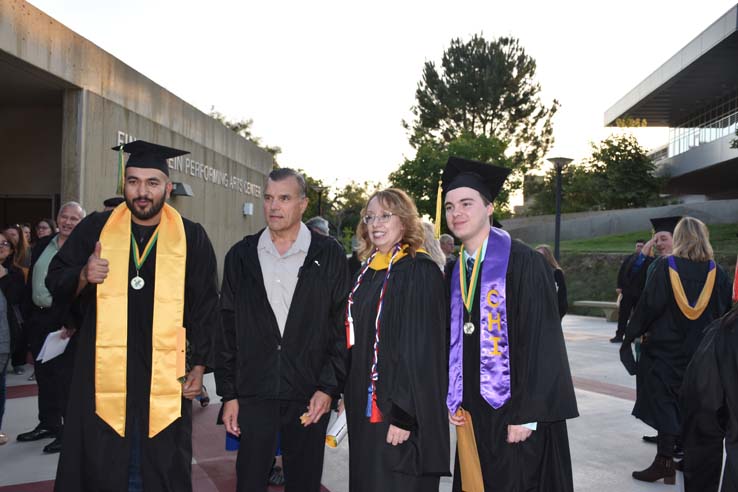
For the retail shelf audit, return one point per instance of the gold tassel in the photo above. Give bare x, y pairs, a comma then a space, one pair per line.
439, 202
121, 173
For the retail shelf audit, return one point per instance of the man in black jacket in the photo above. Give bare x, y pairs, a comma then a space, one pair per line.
629, 287
281, 351
45, 315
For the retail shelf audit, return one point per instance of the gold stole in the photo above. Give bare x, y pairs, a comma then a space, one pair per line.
381, 260
168, 337
692, 313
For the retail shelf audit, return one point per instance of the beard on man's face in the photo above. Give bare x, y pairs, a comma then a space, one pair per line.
152, 207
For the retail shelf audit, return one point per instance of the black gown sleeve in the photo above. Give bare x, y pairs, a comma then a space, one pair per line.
334, 372
421, 377
561, 292
62, 279
226, 344
652, 304
622, 272
201, 298
543, 390
703, 408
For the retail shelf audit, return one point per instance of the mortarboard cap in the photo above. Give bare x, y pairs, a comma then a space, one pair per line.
487, 179
665, 224
114, 201
149, 155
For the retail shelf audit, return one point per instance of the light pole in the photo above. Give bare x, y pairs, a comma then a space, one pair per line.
320, 190
559, 163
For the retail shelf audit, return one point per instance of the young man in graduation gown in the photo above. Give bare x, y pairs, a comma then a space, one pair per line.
145, 279
509, 374
281, 348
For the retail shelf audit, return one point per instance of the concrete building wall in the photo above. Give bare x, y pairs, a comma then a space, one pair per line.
540, 229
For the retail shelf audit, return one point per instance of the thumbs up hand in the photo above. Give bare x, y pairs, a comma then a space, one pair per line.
97, 269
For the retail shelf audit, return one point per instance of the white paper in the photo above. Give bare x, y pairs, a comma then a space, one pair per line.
53, 346
337, 432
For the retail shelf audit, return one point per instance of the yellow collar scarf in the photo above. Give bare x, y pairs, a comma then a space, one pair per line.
381, 260
691, 312
168, 335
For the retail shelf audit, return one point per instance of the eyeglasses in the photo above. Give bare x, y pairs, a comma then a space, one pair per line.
4, 244
377, 219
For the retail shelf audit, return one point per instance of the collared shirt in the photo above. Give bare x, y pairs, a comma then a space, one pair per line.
471, 255
281, 271
39, 293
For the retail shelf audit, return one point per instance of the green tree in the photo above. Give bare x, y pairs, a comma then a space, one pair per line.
243, 128
485, 89
734, 143
419, 176
618, 174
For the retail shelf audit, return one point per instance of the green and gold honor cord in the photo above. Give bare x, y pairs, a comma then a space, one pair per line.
467, 293
140, 258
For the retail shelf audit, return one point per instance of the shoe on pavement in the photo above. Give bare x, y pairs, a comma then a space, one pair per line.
662, 467
651, 439
36, 434
3, 438
18, 370
616, 339
54, 446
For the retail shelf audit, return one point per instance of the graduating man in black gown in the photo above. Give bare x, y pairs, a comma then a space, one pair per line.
145, 281
510, 372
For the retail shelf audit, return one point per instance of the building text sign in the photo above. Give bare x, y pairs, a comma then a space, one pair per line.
190, 167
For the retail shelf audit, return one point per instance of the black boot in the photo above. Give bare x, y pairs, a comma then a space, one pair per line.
662, 467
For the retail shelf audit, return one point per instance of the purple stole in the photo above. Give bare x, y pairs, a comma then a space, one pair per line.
494, 354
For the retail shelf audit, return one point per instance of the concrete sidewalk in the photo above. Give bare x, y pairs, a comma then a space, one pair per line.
605, 440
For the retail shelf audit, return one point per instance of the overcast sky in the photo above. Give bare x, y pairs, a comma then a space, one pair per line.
331, 81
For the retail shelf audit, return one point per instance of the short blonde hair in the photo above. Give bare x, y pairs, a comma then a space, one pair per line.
400, 204
692, 240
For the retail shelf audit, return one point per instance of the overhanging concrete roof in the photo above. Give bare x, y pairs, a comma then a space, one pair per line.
702, 71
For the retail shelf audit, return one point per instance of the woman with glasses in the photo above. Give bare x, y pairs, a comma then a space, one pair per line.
11, 289
21, 256
396, 321
45, 227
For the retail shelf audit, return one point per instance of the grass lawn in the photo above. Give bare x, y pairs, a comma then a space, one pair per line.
722, 237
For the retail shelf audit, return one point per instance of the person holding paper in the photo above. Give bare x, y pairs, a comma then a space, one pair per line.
509, 377
46, 314
145, 280
281, 350
396, 319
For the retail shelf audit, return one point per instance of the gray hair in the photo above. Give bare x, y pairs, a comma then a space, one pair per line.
433, 246
320, 225
285, 172
446, 238
82, 211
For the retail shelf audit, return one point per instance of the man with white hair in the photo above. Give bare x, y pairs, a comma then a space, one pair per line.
44, 316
